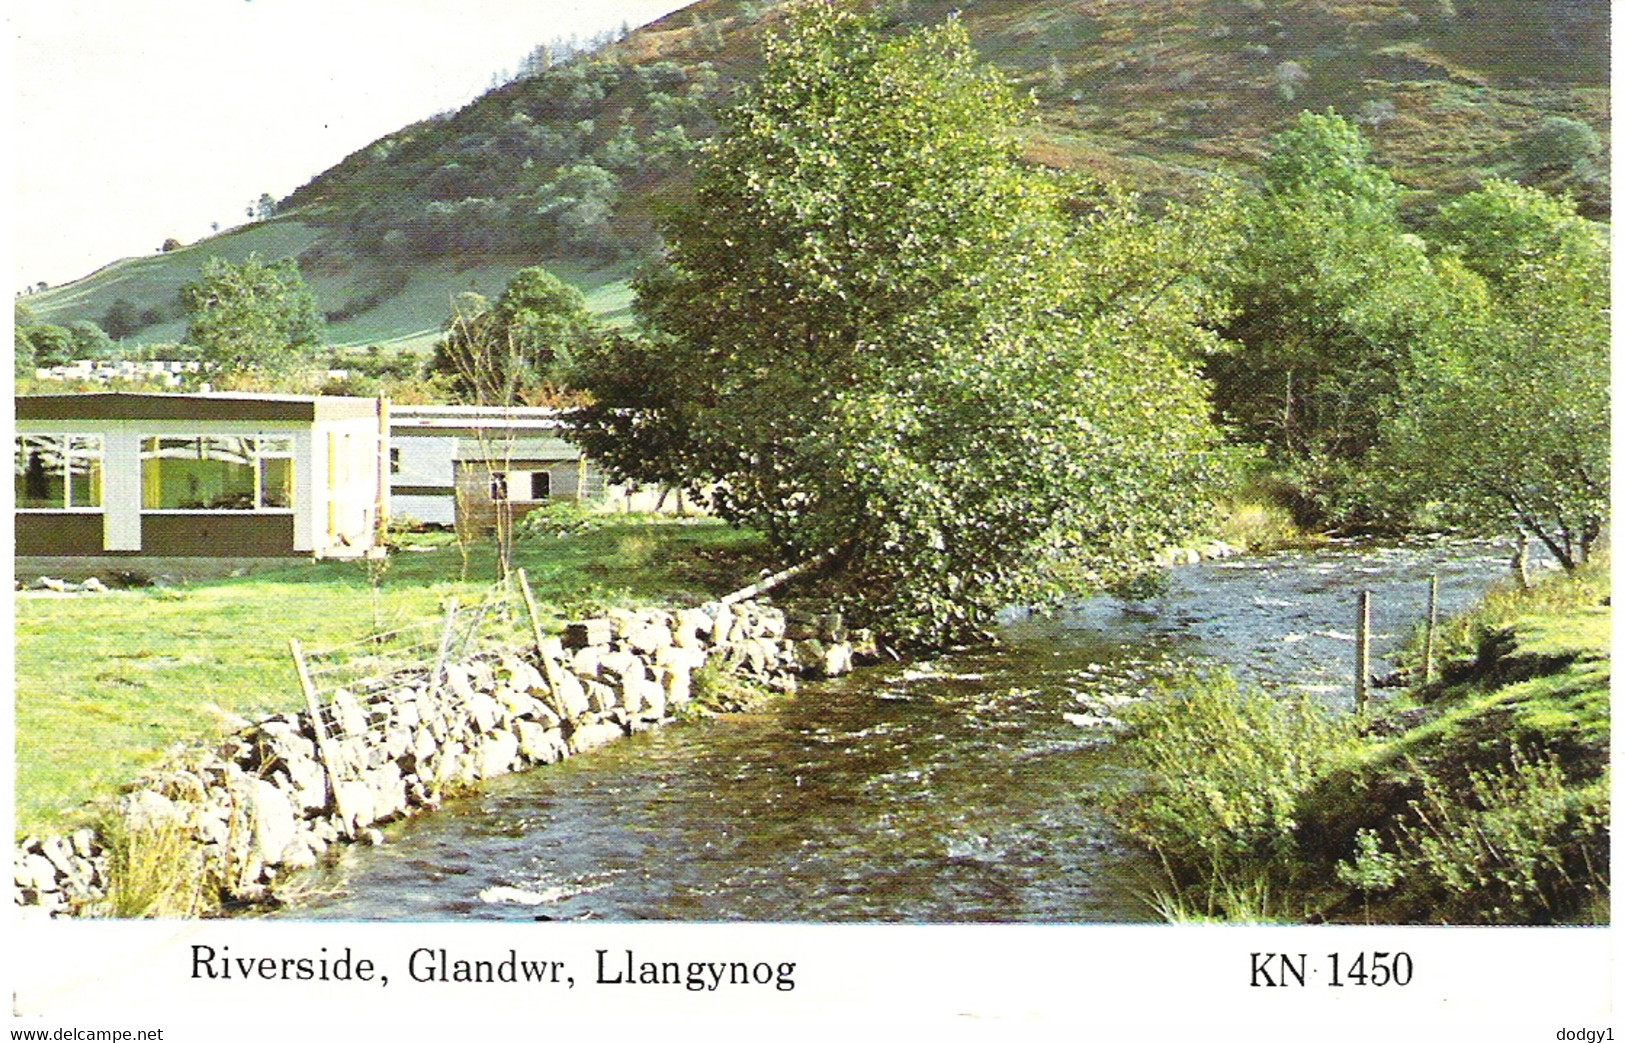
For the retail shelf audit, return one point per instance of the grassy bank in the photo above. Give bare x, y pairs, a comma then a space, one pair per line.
1482, 797
107, 683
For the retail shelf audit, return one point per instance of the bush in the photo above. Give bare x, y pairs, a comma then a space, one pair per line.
156, 870
1224, 768
1517, 845
715, 689
560, 518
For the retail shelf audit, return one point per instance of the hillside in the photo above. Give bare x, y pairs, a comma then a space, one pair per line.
570, 167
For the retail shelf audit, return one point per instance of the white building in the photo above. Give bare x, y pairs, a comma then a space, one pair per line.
451, 461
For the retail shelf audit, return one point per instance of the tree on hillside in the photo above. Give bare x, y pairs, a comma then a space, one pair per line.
1328, 295
251, 316
23, 351
878, 334
122, 318
1504, 426
497, 354
90, 341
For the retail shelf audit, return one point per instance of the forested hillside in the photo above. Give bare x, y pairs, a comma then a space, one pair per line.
571, 166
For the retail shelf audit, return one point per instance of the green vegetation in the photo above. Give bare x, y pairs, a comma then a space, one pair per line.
1225, 769
1482, 797
569, 164
970, 398
515, 350
41, 344
106, 684
251, 317
155, 869
1503, 426
1328, 294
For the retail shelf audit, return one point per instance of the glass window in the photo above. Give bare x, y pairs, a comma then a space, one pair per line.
212, 473
59, 472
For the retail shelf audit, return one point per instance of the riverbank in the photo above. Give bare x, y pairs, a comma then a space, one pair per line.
1479, 797
227, 826
107, 682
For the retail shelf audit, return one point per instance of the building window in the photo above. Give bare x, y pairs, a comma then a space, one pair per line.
59, 472
216, 474
521, 486
394, 460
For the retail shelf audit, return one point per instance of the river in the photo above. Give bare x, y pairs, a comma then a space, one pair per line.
961, 789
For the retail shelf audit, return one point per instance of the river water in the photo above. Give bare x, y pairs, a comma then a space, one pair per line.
962, 789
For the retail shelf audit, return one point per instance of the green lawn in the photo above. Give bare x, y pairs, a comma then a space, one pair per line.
107, 683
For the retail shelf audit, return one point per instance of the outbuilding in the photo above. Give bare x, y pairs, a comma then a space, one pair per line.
123, 475
459, 465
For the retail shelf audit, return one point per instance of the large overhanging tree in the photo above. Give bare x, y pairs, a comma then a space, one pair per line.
879, 335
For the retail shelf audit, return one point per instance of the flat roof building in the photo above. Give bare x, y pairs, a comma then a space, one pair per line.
141, 475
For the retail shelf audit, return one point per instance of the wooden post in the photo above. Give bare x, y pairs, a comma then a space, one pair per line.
1428, 673
1362, 654
324, 750
535, 616
445, 647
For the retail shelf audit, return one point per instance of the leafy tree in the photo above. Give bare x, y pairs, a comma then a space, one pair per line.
122, 318
90, 341
877, 333
23, 352
1328, 293
251, 317
1504, 425
1503, 228
495, 354
46, 344
579, 202
1558, 143
638, 424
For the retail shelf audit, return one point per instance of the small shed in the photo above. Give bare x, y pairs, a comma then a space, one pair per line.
456, 464
140, 475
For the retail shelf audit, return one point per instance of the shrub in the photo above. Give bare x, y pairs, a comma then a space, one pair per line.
716, 689
1517, 845
1223, 770
559, 518
155, 869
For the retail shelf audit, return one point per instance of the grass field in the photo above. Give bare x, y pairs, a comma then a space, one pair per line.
107, 683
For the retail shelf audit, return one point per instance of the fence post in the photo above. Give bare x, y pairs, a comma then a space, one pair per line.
324, 751
445, 647
1362, 654
1433, 625
535, 616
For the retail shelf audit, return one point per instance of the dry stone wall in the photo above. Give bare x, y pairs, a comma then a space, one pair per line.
281, 791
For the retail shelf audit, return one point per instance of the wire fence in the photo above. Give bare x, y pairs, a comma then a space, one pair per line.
496, 620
